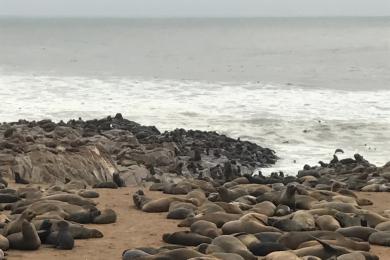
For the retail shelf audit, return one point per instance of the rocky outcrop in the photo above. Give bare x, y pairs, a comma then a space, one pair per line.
92, 151
46, 157
352, 173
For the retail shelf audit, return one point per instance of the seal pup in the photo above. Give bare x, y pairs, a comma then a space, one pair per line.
61, 239
106, 216
288, 196
19, 179
118, 180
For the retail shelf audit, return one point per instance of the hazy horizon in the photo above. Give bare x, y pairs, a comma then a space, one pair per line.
194, 9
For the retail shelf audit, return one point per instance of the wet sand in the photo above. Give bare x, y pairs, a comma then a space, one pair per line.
135, 228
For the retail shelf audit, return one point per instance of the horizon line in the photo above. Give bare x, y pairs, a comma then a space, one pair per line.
187, 17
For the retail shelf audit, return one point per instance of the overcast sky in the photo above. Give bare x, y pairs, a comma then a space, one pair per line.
194, 8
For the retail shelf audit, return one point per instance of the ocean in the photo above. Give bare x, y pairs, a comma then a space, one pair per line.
302, 86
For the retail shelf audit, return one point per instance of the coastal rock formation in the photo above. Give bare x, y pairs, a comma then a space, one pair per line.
92, 151
351, 173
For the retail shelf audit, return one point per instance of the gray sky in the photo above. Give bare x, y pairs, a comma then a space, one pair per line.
194, 8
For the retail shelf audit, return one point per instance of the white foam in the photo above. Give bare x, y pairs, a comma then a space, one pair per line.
276, 116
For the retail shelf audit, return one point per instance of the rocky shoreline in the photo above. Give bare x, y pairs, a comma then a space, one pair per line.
92, 151
231, 213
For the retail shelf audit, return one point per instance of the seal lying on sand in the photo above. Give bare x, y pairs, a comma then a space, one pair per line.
158, 205
205, 228
185, 238
230, 244
28, 239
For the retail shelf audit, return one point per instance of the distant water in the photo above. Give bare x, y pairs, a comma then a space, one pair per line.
303, 87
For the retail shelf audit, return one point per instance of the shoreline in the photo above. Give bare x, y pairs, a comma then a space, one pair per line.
207, 173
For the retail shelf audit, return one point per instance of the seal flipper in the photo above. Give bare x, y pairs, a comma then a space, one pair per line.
335, 251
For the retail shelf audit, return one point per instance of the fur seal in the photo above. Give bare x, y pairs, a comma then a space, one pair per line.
19, 179
218, 218
352, 256
340, 206
357, 231
84, 216
263, 249
61, 239
28, 239
155, 206
71, 199
205, 228
256, 221
373, 219
89, 194
323, 251
292, 240
230, 244
304, 219
282, 210
107, 216
131, 254
177, 254
185, 238
15, 226
344, 242
327, 222
250, 223
247, 239
232, 208
105, 185
286, 224
227, 256
288, 196
282, 255
266, 207
78, 231
118, 180
8, 198
4, 243
180, 213
381, 238
348, 219
383, 226
268, 236
229, 195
